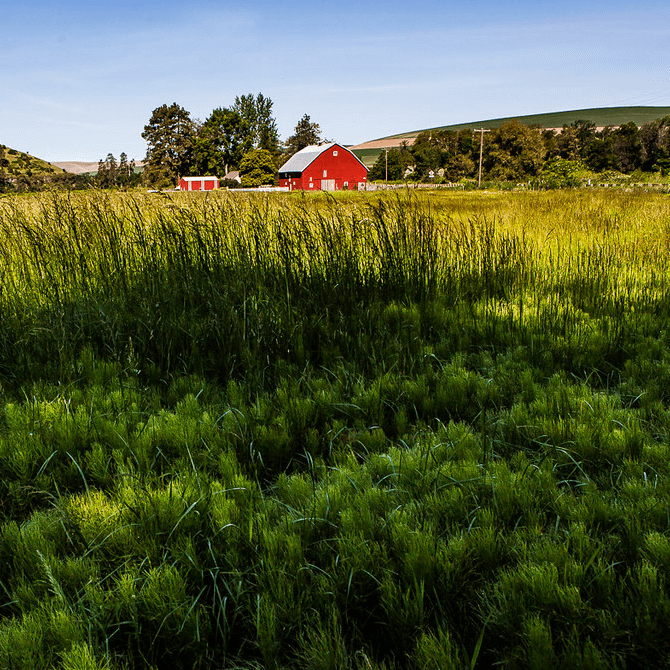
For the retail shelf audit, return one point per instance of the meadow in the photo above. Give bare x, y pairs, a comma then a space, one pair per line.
367, 431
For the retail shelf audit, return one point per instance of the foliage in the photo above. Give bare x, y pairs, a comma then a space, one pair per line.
513, 152
221, 143
257, 168
561, 173
261, 126
112, 175
655, 140
350, 430
169, 134
180, 147
306, 133
4, 164
392, 165
517, 152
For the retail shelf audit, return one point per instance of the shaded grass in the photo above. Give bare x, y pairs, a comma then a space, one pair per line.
334, 432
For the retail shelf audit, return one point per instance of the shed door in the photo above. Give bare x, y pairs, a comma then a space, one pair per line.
327, 184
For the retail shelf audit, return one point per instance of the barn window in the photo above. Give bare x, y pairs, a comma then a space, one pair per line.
311, 185
335, 153
325, 173
310, 179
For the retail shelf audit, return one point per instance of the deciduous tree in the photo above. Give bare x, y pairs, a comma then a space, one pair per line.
221, 142
627, 147
169, 134
261, 126
397, 161
655, 138
257, 168
514, 151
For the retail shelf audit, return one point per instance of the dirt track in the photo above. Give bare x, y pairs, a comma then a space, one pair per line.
385, 144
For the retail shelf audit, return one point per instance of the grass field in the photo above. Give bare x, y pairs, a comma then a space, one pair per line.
353, 431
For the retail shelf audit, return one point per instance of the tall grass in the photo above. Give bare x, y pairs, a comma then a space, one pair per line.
334, 432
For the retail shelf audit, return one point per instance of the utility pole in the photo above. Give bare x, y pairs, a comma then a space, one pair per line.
481, 152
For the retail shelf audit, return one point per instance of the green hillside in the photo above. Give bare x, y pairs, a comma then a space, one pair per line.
368, 152
17, 163
601, 116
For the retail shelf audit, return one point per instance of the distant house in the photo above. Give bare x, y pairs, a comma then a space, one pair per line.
198, 183
234, 175
323, 167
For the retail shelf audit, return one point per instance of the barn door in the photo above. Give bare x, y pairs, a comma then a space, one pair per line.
327, 184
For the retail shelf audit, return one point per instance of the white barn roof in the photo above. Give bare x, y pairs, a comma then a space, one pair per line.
301, 160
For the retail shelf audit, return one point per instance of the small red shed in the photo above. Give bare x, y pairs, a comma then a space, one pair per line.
323, 167
198, 183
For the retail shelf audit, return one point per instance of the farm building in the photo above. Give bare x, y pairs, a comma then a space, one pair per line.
198, 183
324, 167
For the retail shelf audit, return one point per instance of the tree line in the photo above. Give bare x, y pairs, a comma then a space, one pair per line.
241, 137
112, 174
516, 152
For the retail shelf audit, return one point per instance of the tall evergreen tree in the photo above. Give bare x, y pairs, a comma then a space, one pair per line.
107, 176
123, 170
170, 134
305, 134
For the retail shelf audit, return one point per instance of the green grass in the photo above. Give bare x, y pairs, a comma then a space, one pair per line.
367, 156
344, 431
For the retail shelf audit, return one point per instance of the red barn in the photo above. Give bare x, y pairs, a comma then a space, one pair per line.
324, 167
198, 183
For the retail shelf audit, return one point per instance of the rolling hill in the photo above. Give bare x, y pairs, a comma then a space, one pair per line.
19, 163
78, 167
601, 116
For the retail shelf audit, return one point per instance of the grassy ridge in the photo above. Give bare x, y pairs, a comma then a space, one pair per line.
601, 116
334, 432
22, 163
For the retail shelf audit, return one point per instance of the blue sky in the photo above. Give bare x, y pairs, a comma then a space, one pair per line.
80, 79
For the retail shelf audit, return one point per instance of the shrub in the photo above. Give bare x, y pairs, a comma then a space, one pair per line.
561, 173
257, 168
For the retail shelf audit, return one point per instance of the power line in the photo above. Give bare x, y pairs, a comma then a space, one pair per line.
481, 152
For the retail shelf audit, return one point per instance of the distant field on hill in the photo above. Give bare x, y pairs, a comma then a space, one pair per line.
601, 116
83, 167
78, 167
